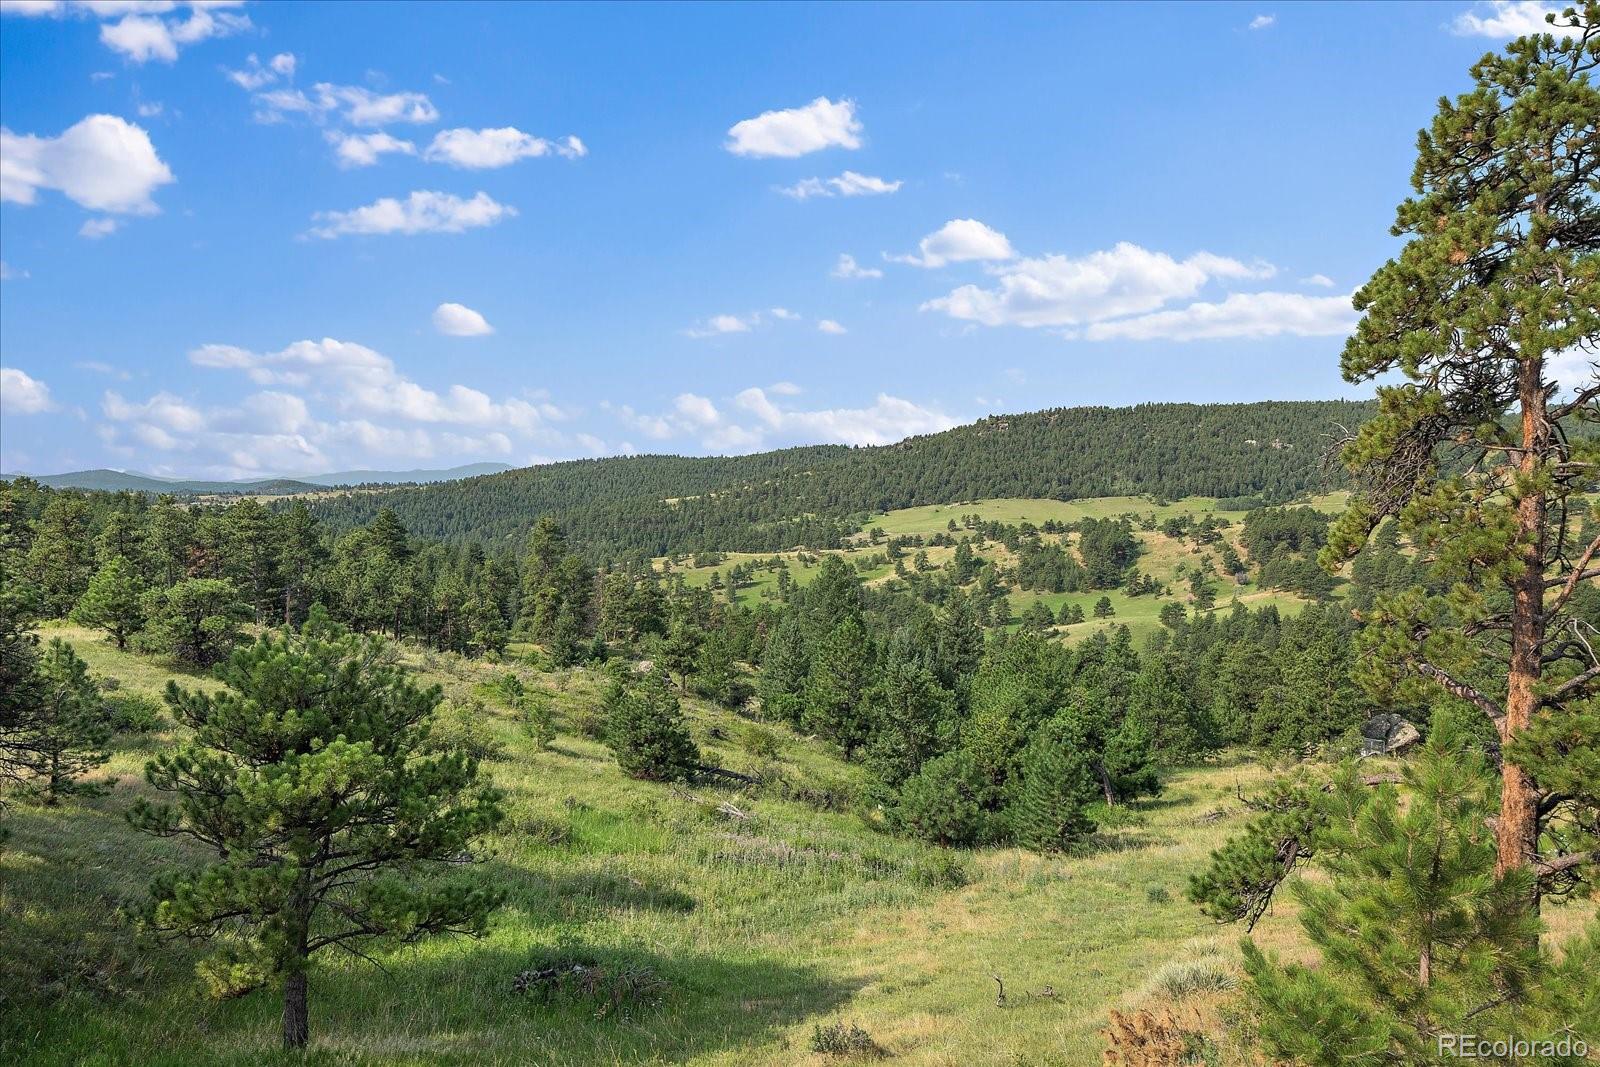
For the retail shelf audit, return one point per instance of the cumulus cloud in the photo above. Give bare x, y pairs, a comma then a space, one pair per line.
458, 320
829, 326
724, 324
1251, 315
757, 420
1574, 368
352, 103
719, 325
797, 131
847, 267
423, 211
94, 229
1057, 290
353, 150
358, 379
102, 162
959, 241
1504, 19
1261, 22
1321, 281
886, 421
141, 34
488, 148
258, 75
22, 394
847, 184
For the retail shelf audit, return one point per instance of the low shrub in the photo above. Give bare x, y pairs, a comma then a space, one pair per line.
133, 713
838, 1039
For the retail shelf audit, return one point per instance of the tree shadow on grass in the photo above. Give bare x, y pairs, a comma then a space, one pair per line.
463, 1008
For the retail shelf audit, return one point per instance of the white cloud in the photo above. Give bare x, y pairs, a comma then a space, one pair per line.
94, 229
483, 149
101, 367
797, 131
829, 326
1251, 315
150, 109
847, 267
31, 8
8, 273
364, 149
21, 394
322, 404
421, 212
142, 36
458, 320
103, 163
697, 409
354, 104
888, 420
1573, 368
847, 184
1321, 281
257, 75
959, 241
723, 324
1502, 19
785, 315
1261, 22
1056, 290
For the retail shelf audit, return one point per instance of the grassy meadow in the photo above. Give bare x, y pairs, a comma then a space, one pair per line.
760, 928
1160, 556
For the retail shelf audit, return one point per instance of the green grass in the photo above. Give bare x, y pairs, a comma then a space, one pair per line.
1161, 556
761, 928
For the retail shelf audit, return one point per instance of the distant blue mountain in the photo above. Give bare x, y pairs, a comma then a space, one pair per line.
133, 481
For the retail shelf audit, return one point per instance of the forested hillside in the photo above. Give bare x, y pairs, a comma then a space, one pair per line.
654, 505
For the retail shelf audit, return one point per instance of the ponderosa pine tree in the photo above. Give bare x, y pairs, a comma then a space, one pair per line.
69, 730
196, 620
312, 780
1058, 781
836, 686
1492, 314
113, 602
646, 732
1419, 936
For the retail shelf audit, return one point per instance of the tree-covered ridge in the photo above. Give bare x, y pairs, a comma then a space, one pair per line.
654, 505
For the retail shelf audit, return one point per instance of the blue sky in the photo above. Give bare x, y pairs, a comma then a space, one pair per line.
245, 239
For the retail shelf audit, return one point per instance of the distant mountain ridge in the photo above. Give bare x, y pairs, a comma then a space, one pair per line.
107, 480
815, 495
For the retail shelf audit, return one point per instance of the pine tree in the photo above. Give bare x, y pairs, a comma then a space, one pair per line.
113, 601
301, 555
784, 666
646, 732
836, 687
1058, 780
1418, 935
311, 780
1473, 452
1103, 608
196, 620
69, 732
944, 802
912, 717
61, 558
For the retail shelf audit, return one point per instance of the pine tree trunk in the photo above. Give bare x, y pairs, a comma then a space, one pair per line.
296, 1016
296, 1022
1517, 831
